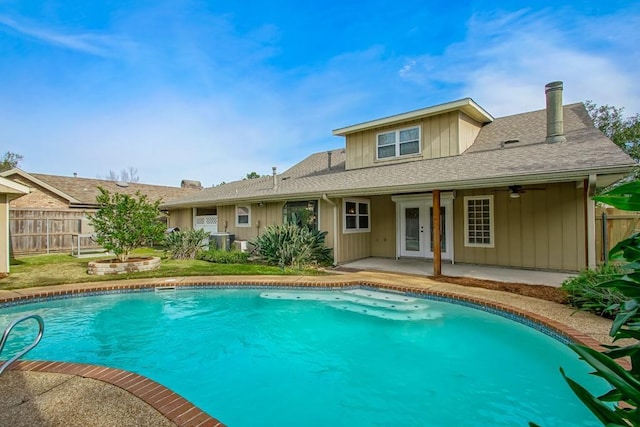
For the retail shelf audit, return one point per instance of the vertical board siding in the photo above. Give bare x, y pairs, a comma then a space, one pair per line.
181, 218
325, 221
261, 217
468, 132
445, 135
383, 227
353, 246
441, 137
544, 228
435, 133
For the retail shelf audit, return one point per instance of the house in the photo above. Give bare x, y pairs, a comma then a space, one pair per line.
54, 213
9, 191
513, 191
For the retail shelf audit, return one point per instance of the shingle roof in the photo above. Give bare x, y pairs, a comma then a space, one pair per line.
487, 162
85, 190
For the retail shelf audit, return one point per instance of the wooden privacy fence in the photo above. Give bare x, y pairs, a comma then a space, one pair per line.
45, 231
612, 226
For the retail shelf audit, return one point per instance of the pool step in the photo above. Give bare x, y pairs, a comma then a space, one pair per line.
422, 314
372, 303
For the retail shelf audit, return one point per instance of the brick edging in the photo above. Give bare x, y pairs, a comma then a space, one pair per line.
558, 327
171, 405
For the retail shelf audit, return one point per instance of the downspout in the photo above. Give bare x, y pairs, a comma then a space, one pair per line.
335, 228
590, 220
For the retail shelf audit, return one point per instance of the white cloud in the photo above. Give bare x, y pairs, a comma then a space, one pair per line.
506, 59
92, 43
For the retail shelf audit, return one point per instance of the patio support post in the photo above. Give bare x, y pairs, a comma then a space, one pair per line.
437, 253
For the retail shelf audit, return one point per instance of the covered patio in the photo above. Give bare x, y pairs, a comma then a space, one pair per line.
484, 272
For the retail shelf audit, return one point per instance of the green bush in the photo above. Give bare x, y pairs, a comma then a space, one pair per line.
223, 257
185, 244
123, 222
585, 294
291, 245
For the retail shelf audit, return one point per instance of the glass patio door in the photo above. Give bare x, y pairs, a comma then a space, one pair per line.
416, 229
412, 235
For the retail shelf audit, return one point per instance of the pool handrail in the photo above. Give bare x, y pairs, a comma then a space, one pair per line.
24, 351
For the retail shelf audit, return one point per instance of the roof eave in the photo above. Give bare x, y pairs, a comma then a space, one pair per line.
466, 105
541, 178
41, 183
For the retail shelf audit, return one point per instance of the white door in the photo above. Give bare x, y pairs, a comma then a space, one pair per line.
416, 228
412, 230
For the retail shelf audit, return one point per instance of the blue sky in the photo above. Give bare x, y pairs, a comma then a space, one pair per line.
212, 90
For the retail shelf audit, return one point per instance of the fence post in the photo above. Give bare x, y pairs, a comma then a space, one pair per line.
605, 238
47, 235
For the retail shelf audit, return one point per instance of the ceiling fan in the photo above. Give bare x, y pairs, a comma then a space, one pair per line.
517, 190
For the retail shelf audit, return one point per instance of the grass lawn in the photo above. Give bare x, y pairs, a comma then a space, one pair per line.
58, 269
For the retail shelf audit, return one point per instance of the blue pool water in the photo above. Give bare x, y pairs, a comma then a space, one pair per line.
290, 358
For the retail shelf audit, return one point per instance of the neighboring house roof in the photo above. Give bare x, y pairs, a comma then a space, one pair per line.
13, 189
83, 191
489, 161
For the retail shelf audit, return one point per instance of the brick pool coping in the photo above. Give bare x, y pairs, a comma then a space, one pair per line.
182, 412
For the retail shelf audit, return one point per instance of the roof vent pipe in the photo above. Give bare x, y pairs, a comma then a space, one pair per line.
329, 160
275, 177
555, 121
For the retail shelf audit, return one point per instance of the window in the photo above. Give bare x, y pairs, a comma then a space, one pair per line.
398, 143
243, 216
478, 221
304, 212
356, 216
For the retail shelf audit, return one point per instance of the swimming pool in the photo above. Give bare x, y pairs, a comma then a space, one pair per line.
263, 357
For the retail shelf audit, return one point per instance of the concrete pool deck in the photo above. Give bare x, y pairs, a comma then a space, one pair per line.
59, 394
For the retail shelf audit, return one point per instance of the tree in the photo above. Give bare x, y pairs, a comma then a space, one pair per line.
251, 175
124, 222
625, 132
10, 161
126, 175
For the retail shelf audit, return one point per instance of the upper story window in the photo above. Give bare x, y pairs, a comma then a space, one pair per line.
398, 143
243, 216
478, 221
356, 216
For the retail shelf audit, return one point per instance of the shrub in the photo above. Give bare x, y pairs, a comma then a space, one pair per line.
124, 222
292, 245
223, 257
585, 294
185, 244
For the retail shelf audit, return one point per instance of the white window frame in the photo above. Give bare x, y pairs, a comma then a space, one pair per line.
357, 216
238, 223
467, 243
397, 143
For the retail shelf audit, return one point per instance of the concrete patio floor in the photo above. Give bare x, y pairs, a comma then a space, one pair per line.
425, 268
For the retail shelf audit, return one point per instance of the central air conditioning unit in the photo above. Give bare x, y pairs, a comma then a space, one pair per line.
222, 241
